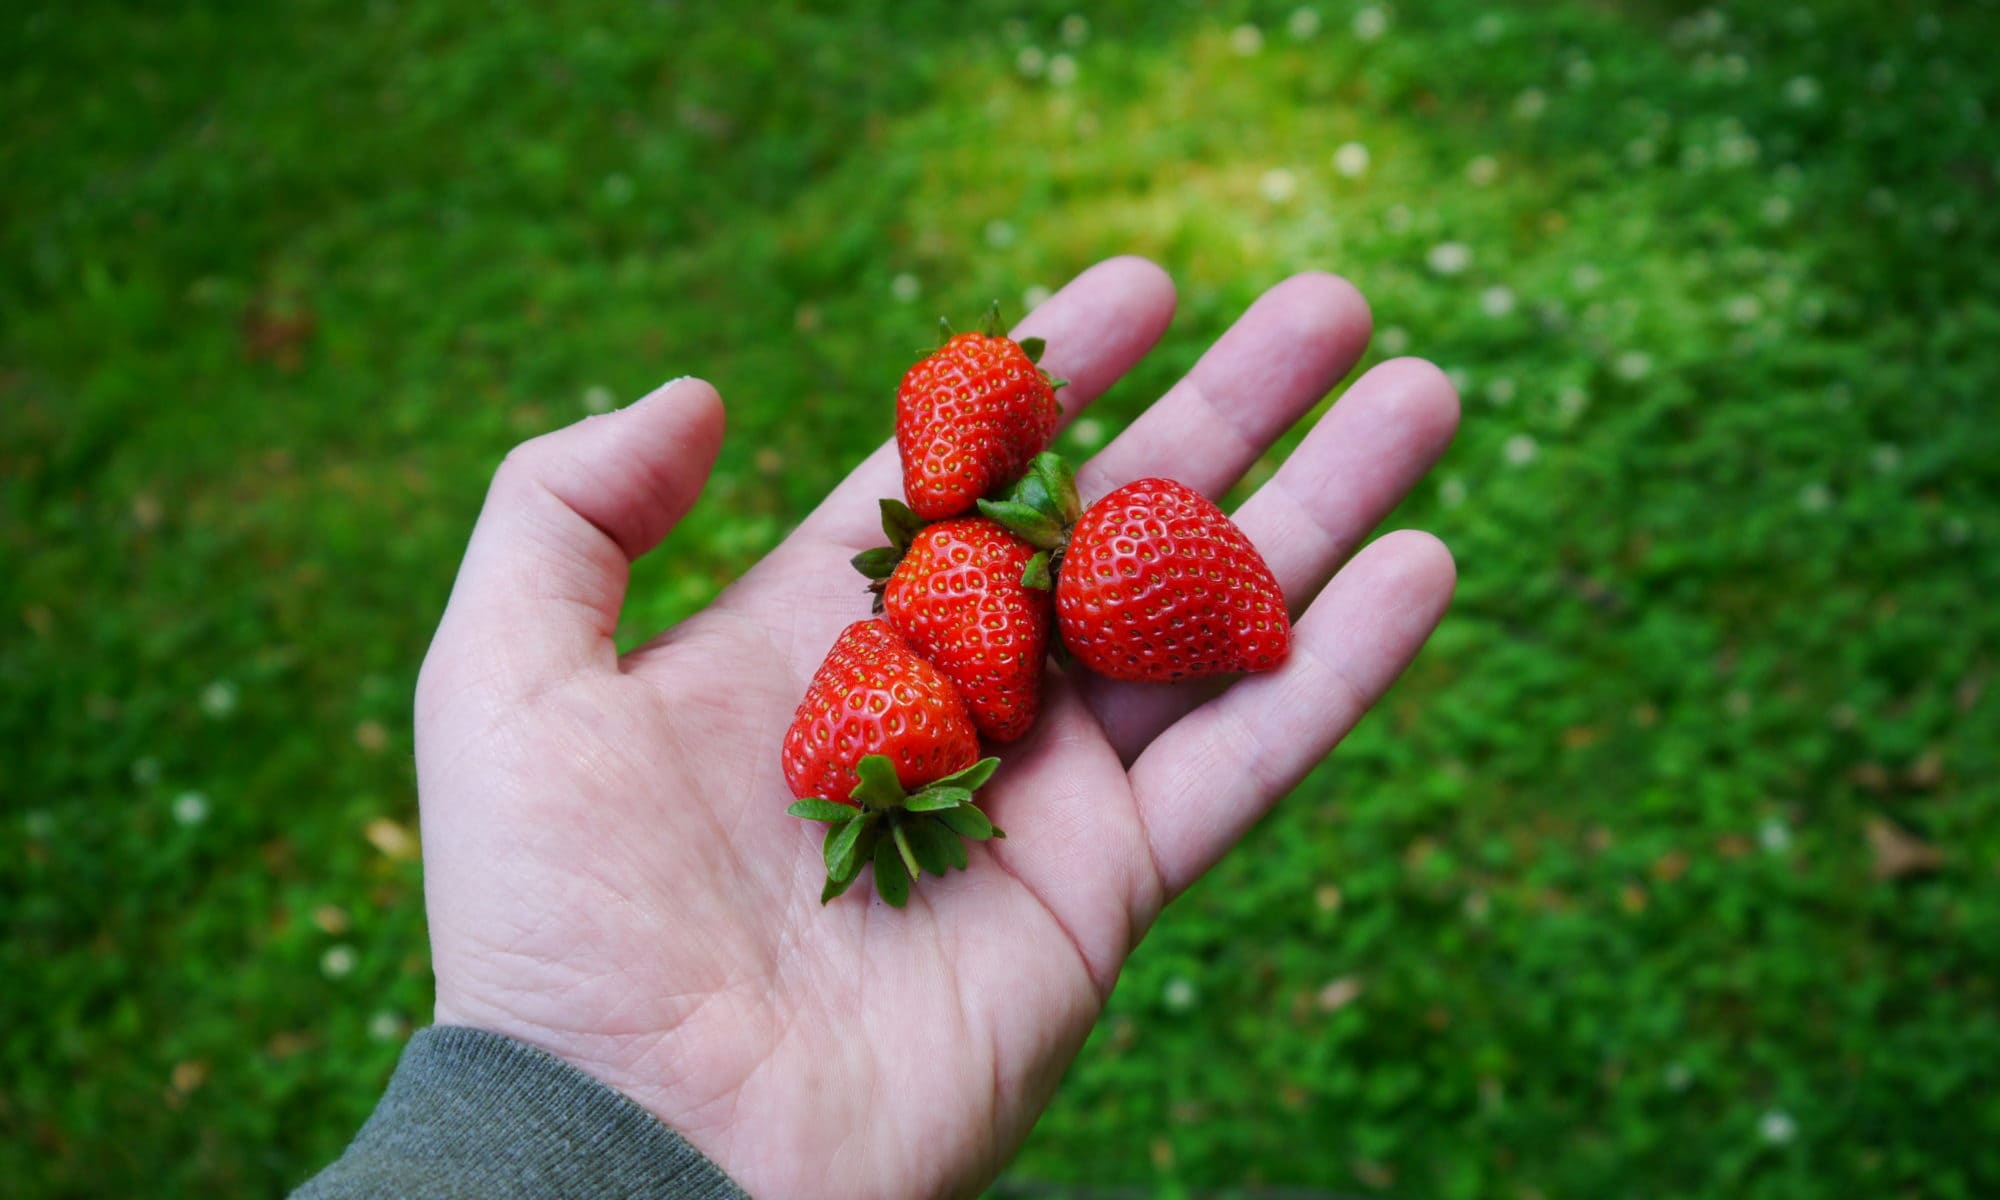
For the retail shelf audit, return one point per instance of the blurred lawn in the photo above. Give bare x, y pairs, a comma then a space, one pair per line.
1591, 908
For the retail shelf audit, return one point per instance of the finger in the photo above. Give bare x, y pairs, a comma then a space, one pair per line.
1262, 375
544, 575
1349, 472
1097, 327
1210, 776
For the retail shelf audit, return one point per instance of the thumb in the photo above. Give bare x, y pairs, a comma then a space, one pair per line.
538, 594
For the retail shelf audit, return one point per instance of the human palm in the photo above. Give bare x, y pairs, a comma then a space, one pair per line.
610, 872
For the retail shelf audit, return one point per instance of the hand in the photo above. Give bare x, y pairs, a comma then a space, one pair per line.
610, 872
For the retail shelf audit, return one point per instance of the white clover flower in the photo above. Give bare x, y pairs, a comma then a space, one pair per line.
1179, 995
1370, 24
1742, 310
1531, 104
338, 962
905, 287
598, 399
1580, 72
1497, 301
1677, 1077
1815, 498
1777, 1127
1802, 91
1351, 160
1488, 28
1500, 392
999, 233
1075, 29
1777, 210
218, 699
385, 1026
1278, 185
1585, 277
1397, 219
1885, 458
190, 808
1449, 258
1034, 297
1520, 450
1737, 150
1735, 68
618, 188
1246, 39
1774, 835
1030, 61
146, 771
1482, 170
1394, 340
1087, 432
1451, 491
1303, 23
1571, 402
1062, 70
1461, 379
1640, 151
1633, 365
1695, 159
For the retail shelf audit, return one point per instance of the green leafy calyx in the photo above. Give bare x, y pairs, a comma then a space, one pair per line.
1040, 508
905, 835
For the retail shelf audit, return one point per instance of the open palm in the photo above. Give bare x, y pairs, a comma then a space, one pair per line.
610, 872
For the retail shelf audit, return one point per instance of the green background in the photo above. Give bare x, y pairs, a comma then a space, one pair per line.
1590, 907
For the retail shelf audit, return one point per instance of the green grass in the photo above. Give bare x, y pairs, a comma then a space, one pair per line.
279, 285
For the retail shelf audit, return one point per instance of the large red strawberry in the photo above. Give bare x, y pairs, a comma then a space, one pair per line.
969, 416
883, 750
1157, 584
974, 600
1153, 582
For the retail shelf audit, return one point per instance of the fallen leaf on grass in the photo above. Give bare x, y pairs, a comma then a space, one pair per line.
1898, 852
392, 839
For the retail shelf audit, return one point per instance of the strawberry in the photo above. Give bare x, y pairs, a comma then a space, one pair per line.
883, 750
1157, 584
1153, 582
969, 416
961, 596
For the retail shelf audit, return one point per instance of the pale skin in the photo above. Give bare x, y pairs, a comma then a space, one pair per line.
610, 872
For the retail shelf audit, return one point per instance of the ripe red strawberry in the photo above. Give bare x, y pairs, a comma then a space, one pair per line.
873, 695
883, 750
1157, 584
959, 598
969, 416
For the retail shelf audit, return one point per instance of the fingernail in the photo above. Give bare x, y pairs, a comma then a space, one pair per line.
661, 390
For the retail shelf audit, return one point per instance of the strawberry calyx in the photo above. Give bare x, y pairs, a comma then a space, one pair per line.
901, 526
905, 834
1040, 509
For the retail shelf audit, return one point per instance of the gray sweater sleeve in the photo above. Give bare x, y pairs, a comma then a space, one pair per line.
473, 1114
